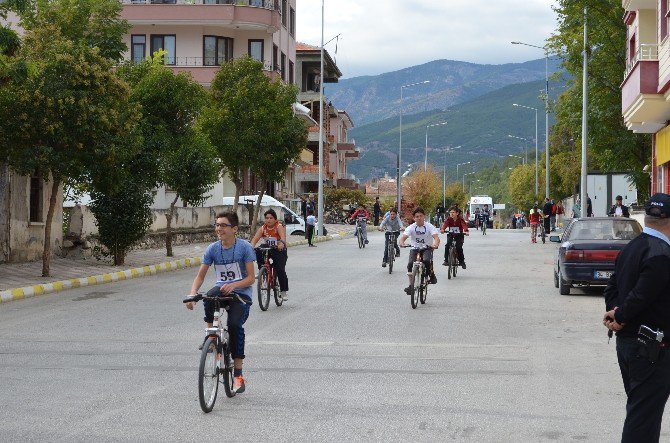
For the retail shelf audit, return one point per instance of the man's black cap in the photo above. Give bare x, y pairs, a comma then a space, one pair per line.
618, 197
658, 205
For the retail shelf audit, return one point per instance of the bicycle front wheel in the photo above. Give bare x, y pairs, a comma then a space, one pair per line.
208, 375
359, 234
227, 367
423, 288
263, 289
415, 292
390, 254
277, 293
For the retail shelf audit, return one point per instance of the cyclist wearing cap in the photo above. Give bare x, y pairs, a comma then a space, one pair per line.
421, 234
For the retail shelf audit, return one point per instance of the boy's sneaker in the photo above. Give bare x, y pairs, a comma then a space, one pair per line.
444, 263
433, 279
238, 384
283, 295
409, 290
397, 254
366, 242
383, 264
463, 264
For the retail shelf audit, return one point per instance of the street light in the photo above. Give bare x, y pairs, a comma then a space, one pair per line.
537, 190
461, 164
425, 160
523, 160
546, 117
400, 145
469, 173
525, 147
585, 131
319, 229
444, 174
471, 181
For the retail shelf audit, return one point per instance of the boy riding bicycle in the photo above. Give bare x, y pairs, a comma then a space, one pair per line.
421, 234
457, 229
273, 234
361, 216
392, 224
233, 261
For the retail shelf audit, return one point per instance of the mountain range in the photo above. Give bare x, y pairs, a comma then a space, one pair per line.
373, 98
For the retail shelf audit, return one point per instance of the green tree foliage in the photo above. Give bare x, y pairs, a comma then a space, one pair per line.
522, 186
424, 188
337, 200
454, 195
611, 146
68, 113
176, 154
122, 218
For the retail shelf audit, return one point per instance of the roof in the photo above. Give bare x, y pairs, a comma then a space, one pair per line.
305, 47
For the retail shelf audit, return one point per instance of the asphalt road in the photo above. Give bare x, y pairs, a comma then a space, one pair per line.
495, 355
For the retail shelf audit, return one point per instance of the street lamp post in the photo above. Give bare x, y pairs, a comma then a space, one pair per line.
585, 131
525, 147
537, 190
319, 228
461, 164
546, 116
469, 173
425, 160
400, 145
444, 175
523, 160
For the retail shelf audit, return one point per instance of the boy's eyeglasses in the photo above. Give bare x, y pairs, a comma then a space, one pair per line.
221, 225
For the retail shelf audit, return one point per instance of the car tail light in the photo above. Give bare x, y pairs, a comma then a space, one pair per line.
591, 256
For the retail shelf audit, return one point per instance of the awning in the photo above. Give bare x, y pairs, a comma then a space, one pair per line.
303, 113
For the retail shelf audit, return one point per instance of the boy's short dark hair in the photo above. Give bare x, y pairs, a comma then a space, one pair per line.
230, 216
419, 210
454, 208
393, 210
271, 212
310, 212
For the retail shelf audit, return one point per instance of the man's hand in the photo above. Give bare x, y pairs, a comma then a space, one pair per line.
467, 233
610, 323
442, 231
190, 305
280, 246
228, 288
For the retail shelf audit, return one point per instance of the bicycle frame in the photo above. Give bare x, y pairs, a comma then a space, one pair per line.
268, 266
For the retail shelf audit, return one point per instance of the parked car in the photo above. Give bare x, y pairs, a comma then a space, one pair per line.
589, 247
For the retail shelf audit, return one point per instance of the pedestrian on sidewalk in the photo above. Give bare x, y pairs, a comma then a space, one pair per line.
535, 217
637, 301
546, 214
560, 210
303, 207
377, 209
310, 227
552, 219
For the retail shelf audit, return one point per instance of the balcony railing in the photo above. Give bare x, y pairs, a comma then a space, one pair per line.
644, 52
265, 4
200, 62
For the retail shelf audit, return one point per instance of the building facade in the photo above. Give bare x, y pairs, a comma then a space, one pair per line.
645, 91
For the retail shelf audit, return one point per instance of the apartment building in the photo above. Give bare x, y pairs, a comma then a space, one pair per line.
645, 91
200, 35
338, 150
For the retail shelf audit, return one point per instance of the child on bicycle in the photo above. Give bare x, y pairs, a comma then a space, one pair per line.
273, 234
421, 234
457, 229
233, 260
362, 216
392, 225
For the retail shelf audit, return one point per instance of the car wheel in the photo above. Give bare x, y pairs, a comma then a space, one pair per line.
563, 286
555, 279
301, 233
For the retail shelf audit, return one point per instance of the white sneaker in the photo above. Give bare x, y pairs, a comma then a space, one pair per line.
283, 295
409, 274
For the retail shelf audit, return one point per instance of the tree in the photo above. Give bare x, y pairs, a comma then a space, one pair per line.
454, 195
68, 112
424, 188
612, 147
235, 119
522, 186
175, 152
283, 137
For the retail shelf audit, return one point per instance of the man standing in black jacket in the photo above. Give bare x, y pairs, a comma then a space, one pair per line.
619, 209
638, 294
546, 213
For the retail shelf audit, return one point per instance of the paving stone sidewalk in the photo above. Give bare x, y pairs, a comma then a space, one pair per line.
22, 275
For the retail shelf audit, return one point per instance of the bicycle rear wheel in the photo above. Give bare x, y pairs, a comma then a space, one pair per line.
423, 293
263, 289
391, 256
208, 375
227, 367
415, 292
454, 261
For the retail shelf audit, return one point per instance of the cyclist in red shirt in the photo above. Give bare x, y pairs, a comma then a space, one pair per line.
362, 216
535, 218
457, 227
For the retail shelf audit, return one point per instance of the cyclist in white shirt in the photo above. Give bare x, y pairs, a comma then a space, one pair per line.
424, 237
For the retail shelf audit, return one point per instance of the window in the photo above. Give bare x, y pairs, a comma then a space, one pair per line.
216, 50
631, 49
36, 206
256, 50
138, 48
283, 66
292, 22
664, 19
275, 58
291, 75
284, 15
167, 43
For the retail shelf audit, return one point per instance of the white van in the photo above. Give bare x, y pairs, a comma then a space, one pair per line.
295, 225
478, 201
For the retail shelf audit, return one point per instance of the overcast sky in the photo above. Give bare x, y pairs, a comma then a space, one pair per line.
385, 35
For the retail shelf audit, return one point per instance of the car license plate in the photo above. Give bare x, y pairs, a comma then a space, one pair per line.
603, 275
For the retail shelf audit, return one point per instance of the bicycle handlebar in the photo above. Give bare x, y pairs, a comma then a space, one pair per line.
196, 298
420, 249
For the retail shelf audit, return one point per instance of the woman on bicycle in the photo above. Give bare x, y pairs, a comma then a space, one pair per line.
457, 228
421, 233
535, 218
273, 234
362, 216
233, 261
392, 225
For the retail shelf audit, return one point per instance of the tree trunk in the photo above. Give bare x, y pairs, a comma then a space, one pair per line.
46, 253
168, 232
238, 189
119, 257
257, 210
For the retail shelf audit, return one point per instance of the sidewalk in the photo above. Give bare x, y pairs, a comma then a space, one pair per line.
20, 280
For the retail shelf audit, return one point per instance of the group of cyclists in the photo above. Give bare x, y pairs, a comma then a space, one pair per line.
234, 261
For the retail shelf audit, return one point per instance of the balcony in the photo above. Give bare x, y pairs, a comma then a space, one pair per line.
644, 109
636, 5
251, 15
346, 147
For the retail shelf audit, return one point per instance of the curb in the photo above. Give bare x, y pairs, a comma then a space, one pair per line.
63, 285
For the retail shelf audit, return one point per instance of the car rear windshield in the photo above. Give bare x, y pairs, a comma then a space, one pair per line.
611, 229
